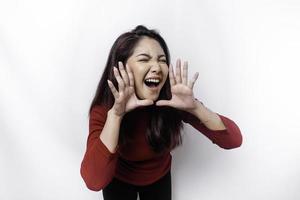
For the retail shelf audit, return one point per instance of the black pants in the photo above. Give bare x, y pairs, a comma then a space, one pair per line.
119, 190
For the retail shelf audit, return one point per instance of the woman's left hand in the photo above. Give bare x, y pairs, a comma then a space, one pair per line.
181, 89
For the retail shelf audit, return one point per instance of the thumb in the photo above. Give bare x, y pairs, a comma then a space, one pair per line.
163, 103
145, 102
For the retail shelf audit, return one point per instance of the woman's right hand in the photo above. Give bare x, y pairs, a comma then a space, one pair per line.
125, 99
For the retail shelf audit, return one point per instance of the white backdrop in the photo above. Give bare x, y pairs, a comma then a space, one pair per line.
52, 54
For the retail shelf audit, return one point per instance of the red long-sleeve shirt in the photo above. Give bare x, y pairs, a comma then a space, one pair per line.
138, 164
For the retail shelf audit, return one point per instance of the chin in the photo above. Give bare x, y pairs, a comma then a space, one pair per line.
153, 98
146, 95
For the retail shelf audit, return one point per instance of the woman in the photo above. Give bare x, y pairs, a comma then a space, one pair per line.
136, 117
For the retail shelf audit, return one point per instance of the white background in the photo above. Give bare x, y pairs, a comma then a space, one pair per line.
52, 54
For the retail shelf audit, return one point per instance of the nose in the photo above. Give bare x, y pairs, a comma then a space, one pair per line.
155, 67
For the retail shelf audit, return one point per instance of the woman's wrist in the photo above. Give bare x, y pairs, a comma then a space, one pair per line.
114, 116
198, 109
210, 119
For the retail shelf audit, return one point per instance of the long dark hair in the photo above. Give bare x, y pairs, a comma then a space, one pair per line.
165, 123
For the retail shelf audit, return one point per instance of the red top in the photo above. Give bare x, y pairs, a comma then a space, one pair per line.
138, 164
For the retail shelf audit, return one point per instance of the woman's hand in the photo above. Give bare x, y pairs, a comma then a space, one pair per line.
181, 89
125, 99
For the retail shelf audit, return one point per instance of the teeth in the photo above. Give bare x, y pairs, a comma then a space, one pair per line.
151, 80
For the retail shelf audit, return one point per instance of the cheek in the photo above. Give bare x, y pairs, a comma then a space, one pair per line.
138, 77
137, 72
165, 70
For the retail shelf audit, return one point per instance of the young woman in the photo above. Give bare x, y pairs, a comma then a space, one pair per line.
136, 117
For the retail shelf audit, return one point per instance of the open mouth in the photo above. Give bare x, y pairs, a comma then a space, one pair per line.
152, 82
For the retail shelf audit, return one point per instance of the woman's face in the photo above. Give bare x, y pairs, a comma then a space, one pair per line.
148, 64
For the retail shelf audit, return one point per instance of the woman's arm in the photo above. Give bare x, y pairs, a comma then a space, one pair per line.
99, 162
219, 129
110, 133
100, 159
210, 119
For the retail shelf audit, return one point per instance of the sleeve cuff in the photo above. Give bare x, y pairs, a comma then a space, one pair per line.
227, 122
100, 146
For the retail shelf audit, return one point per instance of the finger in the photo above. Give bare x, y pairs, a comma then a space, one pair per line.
192, 82
119, 79
130, 76
113, 89
171, 75
185, 73
178, 71
163, 103
145, 102
124, 74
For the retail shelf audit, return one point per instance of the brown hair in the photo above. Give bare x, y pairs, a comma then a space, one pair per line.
165, 122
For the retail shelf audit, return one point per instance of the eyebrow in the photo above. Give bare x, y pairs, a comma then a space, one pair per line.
147, 55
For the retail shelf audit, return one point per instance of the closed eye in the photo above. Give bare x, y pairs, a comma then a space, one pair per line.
143, 60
